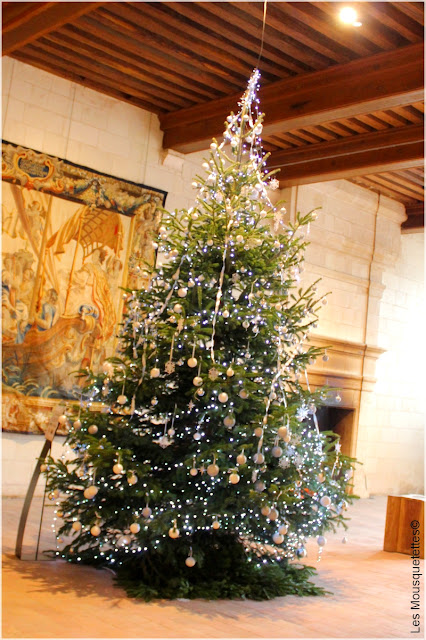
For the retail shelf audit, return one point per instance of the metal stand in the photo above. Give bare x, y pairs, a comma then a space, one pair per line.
30, 494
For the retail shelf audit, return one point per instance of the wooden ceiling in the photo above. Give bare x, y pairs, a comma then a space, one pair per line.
340, 101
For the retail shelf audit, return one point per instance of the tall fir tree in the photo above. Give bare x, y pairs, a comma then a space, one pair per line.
205, 472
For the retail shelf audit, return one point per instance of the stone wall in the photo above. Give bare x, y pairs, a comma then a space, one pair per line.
356, 247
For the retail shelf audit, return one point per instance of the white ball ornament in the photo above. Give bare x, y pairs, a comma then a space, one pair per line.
193, 471
259, 458
200, 392
118, 468
246, 324
301, 552
122, 399
230, 372
225, 313
283, 529
197, 435
265, 510
173, 532
62, 419
135, 527
192, 362
146, 512
155, 372
321, 541
223, 397
234, 478
197, 381
278, 538
178, 308
277, 452
123, 541
241, 458
273, 514
95, 530
190, 561
213, 470
76, 525
325, 501
348, 474
229, 421
182, 292
239, 238
92, 429
77, 424
210, 242
321, 477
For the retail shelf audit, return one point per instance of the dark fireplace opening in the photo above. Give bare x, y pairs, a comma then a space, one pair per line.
341, 421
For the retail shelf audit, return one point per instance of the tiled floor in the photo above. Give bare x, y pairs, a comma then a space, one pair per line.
53, 599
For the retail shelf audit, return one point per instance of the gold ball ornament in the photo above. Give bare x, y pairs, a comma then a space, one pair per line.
95, 530
258, 432
212, 470
192, 362
259, 458
321, 477
265, 510
122, 399
276, 452
178, 308
197, 381
135, 527
118, 468
283, 529
229, 421
223, 397
173, 532
132, 479
190, 561
234, 478
283, 432
182, 292
241, 458
200, 392
77, 424
225, 313
93, 429
76, 525
146, 512
43, 468
278, 538
62, 419
243, 394
216, 525
90, 492
230, 372
155, 372
193, 471
273, 514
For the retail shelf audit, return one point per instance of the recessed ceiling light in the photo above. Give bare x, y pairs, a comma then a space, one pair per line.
348, 15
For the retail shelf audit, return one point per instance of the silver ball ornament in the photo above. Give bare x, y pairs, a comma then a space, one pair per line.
278, 538
223, 397
234, 478
92, 429
190, 561
212, 470
146, 512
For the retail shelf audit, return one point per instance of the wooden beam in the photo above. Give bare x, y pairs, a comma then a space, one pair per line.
370, 84
345, 147
372, 161
34, 24
416, 218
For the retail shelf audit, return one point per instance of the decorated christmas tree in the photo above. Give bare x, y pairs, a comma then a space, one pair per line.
197, 466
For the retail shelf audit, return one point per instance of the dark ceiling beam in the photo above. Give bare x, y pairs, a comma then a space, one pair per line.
374, 83
371, 161
349, 157
33, 24
416, 218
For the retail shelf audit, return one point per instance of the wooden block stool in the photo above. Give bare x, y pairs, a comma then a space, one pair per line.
402, 514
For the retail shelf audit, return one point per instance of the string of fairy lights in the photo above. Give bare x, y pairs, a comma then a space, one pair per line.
165, 337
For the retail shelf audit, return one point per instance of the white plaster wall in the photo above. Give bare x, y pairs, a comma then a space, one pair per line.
61, 118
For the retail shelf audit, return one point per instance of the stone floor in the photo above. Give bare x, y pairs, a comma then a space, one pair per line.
53, 599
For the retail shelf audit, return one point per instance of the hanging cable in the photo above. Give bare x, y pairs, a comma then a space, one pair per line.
263, 33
